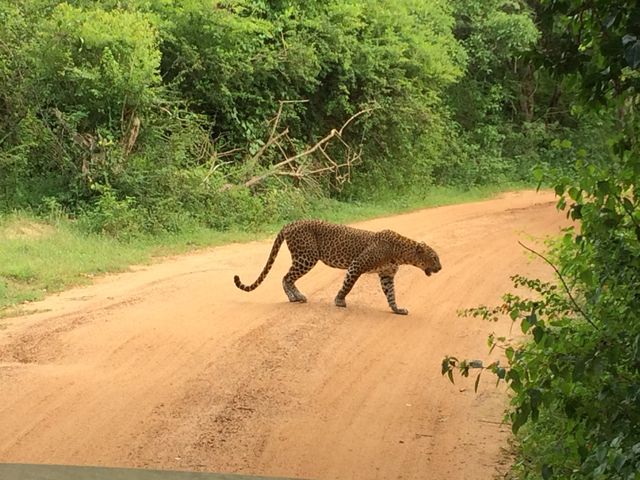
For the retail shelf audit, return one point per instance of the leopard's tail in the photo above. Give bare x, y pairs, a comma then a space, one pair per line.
272, 257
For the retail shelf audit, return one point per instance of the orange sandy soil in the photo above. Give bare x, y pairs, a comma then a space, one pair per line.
169, 366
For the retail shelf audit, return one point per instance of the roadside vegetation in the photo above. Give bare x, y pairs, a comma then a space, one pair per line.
135, 128
143, 127
40, 254
576, 379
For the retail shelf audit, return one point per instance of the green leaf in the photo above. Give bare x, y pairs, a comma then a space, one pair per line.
575, 193
538, 334
619, 462
631, 50
513, 377
526, 324
603, 187
509, 353
538, 173
448, 363
535, 396
587, 277
559, 189
636, 348
532, 317
610, 20
519, 418
576, 212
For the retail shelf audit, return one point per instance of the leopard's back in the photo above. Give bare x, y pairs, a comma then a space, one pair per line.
333, 244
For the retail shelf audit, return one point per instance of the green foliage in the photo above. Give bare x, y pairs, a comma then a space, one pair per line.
115, 217
490, 102
224, 61
599, 41
98, 67
85, 77
576, 382
137, 116
495, 33
120, 108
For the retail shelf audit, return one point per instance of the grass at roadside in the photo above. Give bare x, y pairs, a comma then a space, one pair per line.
39, 256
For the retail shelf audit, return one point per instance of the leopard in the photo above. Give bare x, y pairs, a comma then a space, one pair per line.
352, 249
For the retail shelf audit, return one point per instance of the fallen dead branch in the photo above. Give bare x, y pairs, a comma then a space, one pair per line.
310, 164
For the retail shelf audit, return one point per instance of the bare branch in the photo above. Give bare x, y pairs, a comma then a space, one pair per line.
292, 166
353, 117
216, 164
564, 284
269, 142
228, 152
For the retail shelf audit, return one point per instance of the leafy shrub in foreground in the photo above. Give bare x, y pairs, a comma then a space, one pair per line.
576, 381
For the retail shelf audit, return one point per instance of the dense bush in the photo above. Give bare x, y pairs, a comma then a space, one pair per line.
123, 108
97, 67
576, 382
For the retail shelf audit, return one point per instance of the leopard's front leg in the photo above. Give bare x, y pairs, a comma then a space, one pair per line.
367, 261
387, 283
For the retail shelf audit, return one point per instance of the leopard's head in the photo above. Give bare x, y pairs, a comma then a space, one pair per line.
428, 259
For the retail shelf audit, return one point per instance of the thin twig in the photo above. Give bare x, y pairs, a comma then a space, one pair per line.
228, 152
269, 142
566, 287
276, 121
361, 112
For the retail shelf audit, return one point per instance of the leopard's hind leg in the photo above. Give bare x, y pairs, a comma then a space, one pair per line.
298, 268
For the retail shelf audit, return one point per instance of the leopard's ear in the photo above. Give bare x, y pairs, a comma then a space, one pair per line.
421, 246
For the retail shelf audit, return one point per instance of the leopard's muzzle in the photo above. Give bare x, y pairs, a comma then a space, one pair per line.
430, 270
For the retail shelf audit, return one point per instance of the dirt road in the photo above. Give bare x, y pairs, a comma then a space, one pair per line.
170, 366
